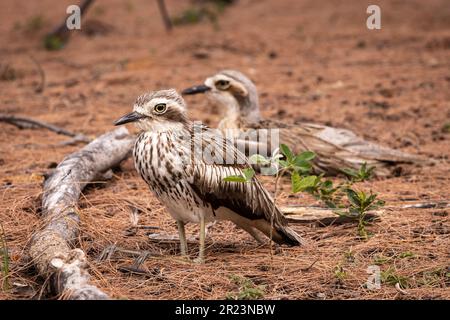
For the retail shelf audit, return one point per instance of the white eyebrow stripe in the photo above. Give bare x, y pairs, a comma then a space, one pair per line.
156, 101
212, 80
151, 103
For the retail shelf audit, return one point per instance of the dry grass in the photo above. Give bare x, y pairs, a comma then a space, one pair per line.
412, 244
98, 81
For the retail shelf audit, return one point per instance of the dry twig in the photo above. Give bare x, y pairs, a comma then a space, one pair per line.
41, 85
27, 123
165, 15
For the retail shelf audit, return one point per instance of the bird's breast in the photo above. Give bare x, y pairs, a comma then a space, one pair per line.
160, 160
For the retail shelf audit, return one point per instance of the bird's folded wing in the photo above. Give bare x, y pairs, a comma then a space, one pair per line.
329, 141
348, 140
248, 199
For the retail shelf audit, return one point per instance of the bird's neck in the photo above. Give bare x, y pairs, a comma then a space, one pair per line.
163, 126
240, 112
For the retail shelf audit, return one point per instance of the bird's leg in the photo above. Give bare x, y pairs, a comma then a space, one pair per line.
252, 231
201, 252
182, 234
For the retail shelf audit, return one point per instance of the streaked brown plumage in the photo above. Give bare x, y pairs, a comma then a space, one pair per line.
182, 164
335, 148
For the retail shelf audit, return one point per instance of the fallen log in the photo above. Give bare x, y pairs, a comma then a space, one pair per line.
320, 216
51, 246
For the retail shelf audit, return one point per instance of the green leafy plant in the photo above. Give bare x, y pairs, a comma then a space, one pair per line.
54, 42
340, 273
4, 259
247, 289
364, 173
360, 203
343, 198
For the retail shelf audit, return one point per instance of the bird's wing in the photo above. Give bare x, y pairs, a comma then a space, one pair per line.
336, 148
248, 199
348, 140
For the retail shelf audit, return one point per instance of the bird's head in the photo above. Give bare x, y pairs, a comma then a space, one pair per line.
157, 111
232, 91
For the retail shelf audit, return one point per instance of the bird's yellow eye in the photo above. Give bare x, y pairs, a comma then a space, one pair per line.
222, 84
160, 108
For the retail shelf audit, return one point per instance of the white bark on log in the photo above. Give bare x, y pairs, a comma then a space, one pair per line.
51, 247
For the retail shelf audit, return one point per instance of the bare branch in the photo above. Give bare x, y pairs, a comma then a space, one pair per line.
165, 15
41, 85
27, 123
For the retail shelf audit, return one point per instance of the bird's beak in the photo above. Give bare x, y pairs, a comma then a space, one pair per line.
130, 117
196, 89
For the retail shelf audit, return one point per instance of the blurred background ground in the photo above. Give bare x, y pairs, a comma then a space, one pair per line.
311, 61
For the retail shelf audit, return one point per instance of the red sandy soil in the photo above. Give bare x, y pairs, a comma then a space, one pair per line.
312, 61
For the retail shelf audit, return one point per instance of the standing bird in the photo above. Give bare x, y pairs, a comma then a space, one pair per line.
335, 148
185, 164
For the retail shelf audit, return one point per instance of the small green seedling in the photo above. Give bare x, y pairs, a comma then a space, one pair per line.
54, 42
340, 273
360, 203
357, 204
300, 163
247, 289
364, 173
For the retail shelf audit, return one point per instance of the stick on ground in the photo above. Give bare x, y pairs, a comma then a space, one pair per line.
27, 123
41, 85
320, 216
51, 246
165, 16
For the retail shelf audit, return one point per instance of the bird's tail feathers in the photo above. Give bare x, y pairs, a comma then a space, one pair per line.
288, 236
